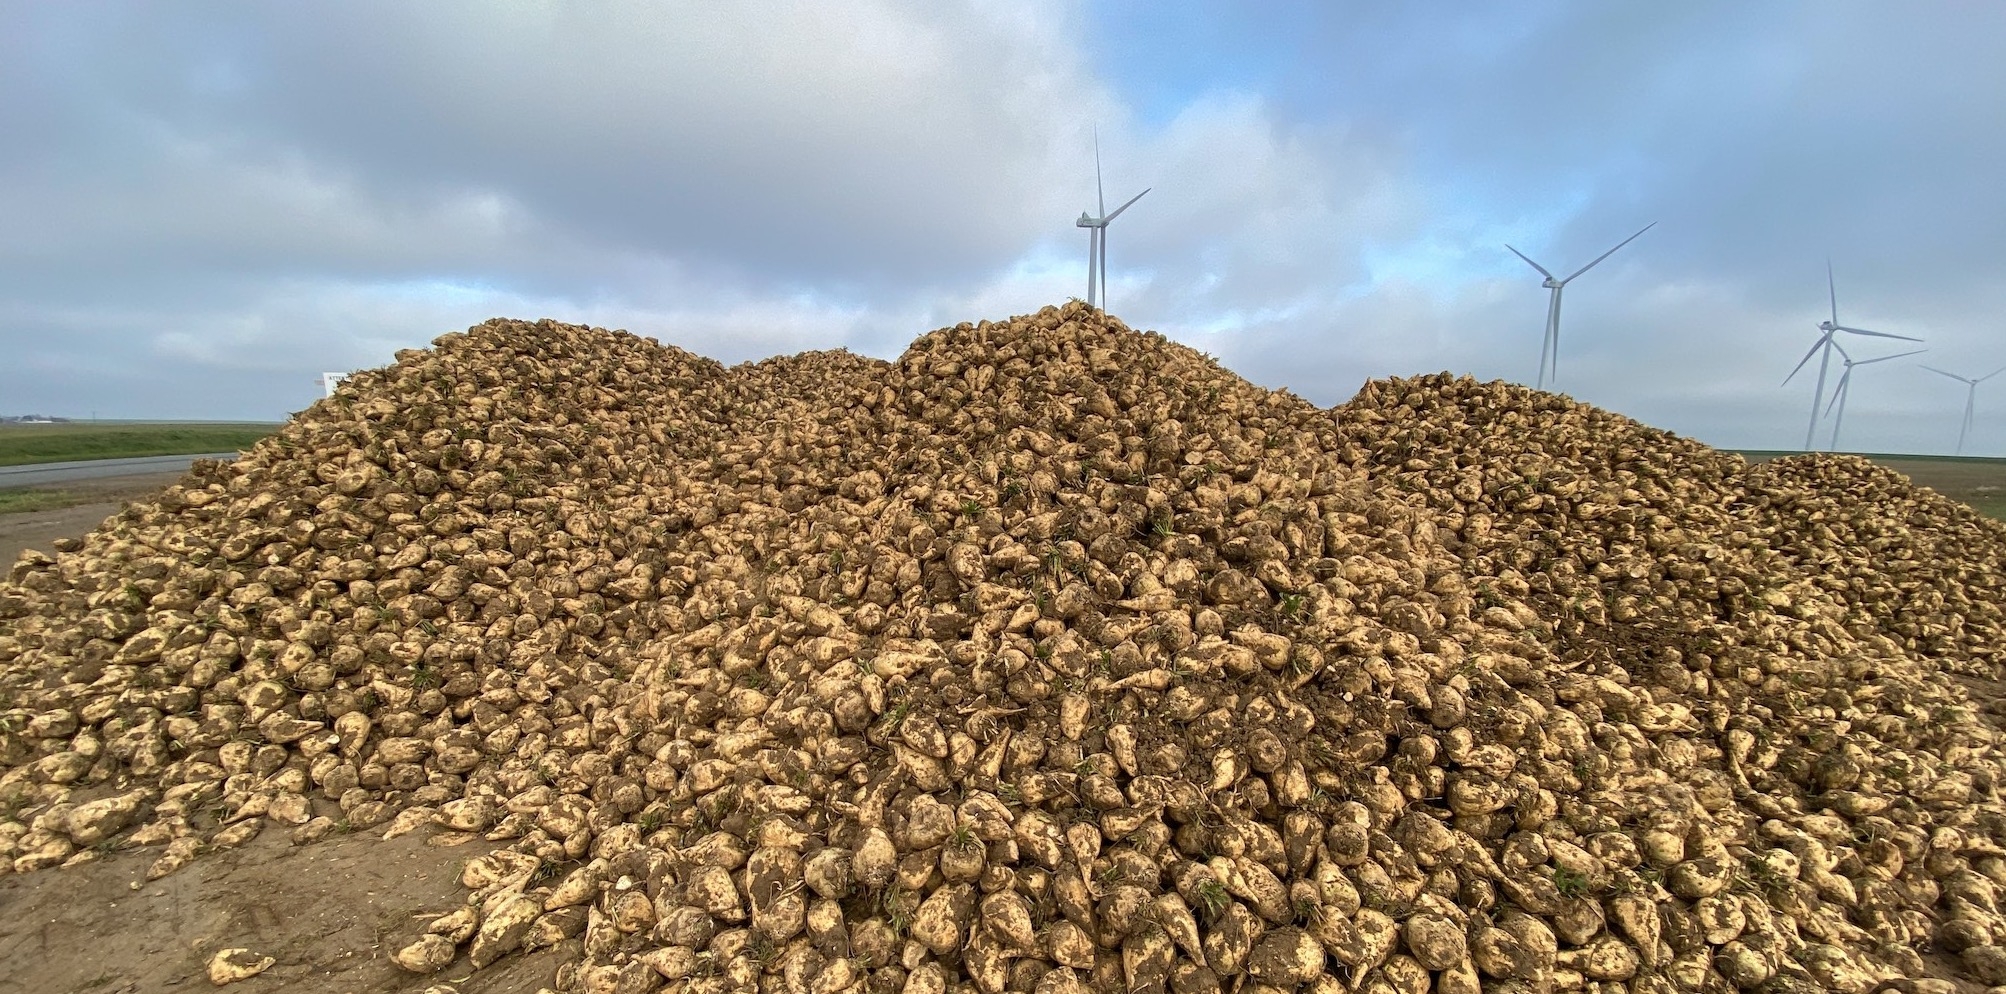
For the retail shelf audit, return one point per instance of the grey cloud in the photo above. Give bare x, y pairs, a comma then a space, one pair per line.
856, 143
1765, 136
1764, 139
228, 192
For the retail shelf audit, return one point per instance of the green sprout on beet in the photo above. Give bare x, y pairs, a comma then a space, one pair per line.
1212, 898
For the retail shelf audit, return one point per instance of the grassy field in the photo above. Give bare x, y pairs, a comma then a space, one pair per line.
1976, 480
15, 501
101, 490
21, 445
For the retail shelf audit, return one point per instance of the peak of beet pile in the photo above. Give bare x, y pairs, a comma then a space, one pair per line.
1051, 657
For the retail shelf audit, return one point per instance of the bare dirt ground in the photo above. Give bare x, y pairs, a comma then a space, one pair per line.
330, 914
91, 501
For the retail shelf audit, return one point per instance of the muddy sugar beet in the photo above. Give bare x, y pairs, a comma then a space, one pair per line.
1050, 657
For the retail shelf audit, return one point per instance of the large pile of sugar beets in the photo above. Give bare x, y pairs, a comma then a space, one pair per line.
1051, 656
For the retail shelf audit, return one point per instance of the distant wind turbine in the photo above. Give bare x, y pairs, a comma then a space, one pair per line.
1097, 233
1826, 345
1843, 390
1970, 399
1549, 347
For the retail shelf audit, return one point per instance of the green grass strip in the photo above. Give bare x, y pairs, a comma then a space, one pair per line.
22, 445
19, 501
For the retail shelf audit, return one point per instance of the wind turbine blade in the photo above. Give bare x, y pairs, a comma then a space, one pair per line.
1118, 210
1840, 393
1832, 288
1848, 356
1898, 355
1099, 194
1970, 402
1876, 334
1529, 262
1992, 374
1807, 358
1940, 372
1612, 251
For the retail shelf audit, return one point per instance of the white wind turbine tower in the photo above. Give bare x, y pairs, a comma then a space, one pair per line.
1844, 388
1970, 399
1097, 232
1549, 347
1826, 345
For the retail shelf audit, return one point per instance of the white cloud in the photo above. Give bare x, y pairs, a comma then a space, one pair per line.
238, 196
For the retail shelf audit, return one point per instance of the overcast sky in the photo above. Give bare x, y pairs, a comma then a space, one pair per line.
205, 205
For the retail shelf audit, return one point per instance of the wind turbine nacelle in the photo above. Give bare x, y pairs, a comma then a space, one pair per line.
1085, 221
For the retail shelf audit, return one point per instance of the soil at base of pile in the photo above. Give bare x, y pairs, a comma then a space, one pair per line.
329, 914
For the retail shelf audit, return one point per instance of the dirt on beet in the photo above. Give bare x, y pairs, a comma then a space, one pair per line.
62, 515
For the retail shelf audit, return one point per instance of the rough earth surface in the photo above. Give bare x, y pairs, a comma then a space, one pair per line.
1049, 657
89, 503
329, 915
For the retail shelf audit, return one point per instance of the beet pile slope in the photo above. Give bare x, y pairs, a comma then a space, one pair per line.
1050, 657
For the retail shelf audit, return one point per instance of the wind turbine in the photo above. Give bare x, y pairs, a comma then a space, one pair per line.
1840, 392
1097, 233
1970, 398
1825, 344
1550, 345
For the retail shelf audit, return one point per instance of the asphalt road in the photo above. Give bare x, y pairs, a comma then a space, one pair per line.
43, 474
